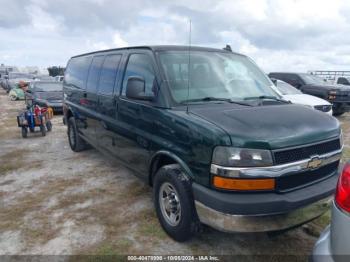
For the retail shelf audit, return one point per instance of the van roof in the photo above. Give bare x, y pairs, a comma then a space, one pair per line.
163, 48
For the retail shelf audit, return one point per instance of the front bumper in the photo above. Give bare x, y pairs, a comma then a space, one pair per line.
262, 211
263, 223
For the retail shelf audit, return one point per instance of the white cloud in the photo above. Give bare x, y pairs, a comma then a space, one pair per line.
295, 35
118, 41
43, 21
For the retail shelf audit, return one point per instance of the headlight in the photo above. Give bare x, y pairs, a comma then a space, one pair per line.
241, 157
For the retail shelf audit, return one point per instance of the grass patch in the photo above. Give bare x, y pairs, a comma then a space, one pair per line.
149, 226
346, 154
315, 227
7, 182
12, 160
110, 249
106, 250
41, 230
14, 164
116, 248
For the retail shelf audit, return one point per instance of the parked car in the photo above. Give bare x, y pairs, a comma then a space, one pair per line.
44, 78
46, 94
17, 92
338, 95
59, 78
13, 79
3, 76
290, 93
211, 136
333, 244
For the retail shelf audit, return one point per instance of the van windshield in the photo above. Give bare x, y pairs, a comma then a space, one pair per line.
213, 75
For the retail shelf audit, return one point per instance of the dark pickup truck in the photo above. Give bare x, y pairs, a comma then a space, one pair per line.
207, 131
46, 94
338, 95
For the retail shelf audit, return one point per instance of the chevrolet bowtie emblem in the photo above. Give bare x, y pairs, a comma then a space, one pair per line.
315, 162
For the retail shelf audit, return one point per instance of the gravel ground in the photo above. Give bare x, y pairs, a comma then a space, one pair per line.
55, 201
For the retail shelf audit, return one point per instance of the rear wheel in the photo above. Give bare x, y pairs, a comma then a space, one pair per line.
76, 143
174, 203
24, 132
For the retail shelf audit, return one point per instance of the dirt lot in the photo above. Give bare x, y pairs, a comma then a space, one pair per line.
55, 201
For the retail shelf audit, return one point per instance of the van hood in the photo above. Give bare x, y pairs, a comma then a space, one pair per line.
269, 127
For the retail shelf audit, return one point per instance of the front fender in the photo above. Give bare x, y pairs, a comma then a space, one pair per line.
156, 156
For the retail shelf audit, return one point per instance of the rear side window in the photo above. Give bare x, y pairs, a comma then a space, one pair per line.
109, 74
140, 65
343, 81
77, 71
94, 73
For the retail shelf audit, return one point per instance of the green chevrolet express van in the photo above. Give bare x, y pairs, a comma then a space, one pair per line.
205, 129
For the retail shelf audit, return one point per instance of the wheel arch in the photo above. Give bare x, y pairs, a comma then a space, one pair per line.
68, 113
162, 158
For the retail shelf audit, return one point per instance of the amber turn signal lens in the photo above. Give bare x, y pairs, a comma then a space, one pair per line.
243, 184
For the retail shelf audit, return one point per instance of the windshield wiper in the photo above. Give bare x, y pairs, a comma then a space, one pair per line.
210, 98
267, 97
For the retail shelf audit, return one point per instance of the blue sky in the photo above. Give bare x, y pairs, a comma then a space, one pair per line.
295, 35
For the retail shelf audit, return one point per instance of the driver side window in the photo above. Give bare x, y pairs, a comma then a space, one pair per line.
140, 65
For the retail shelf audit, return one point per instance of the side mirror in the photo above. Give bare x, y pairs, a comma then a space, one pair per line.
135, 89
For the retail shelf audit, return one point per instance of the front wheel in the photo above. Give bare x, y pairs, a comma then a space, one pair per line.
76, 143
338, 113
43, 130
13, 97
174, 203
48, 125
338, 110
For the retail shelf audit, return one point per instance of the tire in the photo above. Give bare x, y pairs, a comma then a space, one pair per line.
338, 113
174, 203
49, 126
13, 97
43, 130
24, 132
76, 143
338, 110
